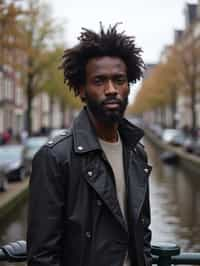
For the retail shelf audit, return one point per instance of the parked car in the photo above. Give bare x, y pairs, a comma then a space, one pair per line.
179, 138
169, 135
11, 163
189, 144
31, 146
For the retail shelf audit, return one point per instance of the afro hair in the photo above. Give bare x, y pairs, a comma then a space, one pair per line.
105, 43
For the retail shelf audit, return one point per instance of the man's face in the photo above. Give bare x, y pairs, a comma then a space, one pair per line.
106, 90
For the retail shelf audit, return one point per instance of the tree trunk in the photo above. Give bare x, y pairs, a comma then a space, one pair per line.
174, 107
29, 90
63, 115
30, 94
193, 107
163, 117
51, 102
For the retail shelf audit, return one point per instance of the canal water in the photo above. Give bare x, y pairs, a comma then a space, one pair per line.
175, 201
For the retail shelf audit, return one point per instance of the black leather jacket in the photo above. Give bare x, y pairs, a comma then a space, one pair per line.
74, 215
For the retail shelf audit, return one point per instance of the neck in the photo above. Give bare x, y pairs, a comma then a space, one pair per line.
107, 132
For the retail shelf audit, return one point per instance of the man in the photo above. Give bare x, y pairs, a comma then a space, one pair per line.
89, 196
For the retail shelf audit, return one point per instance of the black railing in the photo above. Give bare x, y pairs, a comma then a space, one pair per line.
163, 254
13, 252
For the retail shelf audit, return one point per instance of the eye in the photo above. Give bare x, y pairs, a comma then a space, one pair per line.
98, 81
121, 80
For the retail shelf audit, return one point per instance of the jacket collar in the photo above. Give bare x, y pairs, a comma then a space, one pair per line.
85, 138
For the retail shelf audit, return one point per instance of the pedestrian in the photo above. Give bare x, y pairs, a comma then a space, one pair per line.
6, 136
89, 193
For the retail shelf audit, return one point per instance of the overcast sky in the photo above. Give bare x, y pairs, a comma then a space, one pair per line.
151, 21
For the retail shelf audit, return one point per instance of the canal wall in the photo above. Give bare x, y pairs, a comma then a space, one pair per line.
16, 195
186, 160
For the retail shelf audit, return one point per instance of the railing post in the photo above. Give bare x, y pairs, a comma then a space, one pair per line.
165, 251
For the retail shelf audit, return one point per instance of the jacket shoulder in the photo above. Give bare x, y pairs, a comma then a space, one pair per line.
59, 139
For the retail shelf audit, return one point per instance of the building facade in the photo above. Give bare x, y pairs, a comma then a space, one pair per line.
12, 105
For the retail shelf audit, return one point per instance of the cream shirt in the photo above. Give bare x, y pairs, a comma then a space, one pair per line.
114, 154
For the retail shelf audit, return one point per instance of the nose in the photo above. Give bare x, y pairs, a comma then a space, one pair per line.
110, 88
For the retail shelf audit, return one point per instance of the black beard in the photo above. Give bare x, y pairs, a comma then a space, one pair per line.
108, 117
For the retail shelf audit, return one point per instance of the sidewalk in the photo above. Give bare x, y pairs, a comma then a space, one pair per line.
16, 192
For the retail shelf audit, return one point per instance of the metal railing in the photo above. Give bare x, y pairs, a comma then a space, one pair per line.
13, 252
164, 254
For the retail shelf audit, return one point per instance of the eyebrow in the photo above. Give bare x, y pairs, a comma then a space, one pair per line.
113, 75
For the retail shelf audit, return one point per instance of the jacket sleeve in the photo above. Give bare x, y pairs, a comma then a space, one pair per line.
147, 231
45, 211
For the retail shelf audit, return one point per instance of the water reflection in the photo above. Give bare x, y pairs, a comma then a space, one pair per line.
175, 201
175, 198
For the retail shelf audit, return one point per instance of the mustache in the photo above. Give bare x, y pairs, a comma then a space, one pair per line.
111, 99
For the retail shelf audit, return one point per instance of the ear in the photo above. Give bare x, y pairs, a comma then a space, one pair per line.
82, 93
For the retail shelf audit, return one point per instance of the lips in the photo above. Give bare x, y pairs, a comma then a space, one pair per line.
112, 104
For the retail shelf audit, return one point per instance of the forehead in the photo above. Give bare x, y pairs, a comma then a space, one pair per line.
105, 65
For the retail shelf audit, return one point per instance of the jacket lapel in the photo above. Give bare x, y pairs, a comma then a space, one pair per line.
98, 178
137, 179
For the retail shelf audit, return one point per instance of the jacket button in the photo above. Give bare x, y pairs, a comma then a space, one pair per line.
99, 203
90, 173
142, 220
88, 234
146, 170
80, 148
